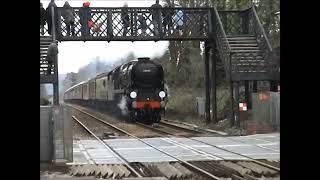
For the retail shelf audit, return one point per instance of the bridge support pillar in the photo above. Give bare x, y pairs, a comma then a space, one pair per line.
273, 86
236, 99
230, 83
214, 83
207, 82
255, 86
247, 94
55, 93
231, 103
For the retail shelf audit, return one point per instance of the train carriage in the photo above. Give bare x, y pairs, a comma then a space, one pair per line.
85, 90
92, 89
102, 87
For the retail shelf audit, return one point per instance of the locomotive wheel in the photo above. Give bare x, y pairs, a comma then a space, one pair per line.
158, 118
148, 119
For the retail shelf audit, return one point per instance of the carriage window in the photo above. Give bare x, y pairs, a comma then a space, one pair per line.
104, 83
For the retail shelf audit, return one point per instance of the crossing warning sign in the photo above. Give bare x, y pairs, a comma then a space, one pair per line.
243, 107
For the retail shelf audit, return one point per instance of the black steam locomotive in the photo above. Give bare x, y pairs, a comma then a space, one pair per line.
137, 87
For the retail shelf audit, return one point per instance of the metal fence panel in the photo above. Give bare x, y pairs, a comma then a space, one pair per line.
275, 108
267, 110
62, 134
68, 140
46, 144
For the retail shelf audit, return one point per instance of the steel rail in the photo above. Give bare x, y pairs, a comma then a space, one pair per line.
123, 160
199, 170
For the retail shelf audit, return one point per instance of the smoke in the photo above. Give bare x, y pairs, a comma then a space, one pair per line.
123, 106
166, 88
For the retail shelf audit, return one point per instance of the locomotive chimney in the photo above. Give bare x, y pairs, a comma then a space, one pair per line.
143, 58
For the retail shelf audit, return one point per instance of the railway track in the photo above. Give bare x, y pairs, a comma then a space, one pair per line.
191, 127
223, 149
217, 133
185, 163
197, 131
115, 153
199, 167
140, 131
171, 130
97, 127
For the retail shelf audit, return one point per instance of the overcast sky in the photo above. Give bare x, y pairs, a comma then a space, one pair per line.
74, 55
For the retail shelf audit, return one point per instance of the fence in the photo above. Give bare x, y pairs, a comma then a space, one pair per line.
266, 107
46, 144
63, 145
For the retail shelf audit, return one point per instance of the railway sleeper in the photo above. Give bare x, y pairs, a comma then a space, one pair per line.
236, 177
153, 168
167, 171
144, 171
235, 167
89, 170
103, 171
250, 177
106, 171
257, 169
223, 168
186, 172
225, 171
205, 166
164, 169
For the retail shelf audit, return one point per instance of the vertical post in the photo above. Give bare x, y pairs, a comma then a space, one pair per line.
213, 84
56, 93
159, 22
247, 94
211, 27
135, 16
229, 76
273, 86
255, 87
232, 105
56, 81
58, 25
245, 22
236, 99
207, 83
224, 20
53, 23
109, 24
131, 23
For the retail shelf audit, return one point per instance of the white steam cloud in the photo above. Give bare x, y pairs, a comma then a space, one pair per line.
123, 106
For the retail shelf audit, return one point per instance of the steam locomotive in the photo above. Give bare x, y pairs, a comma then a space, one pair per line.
137, 87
